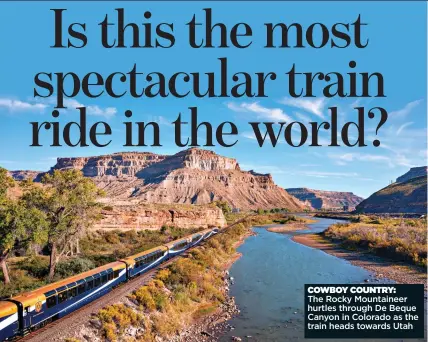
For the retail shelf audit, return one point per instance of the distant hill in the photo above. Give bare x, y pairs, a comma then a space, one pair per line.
193, 176
23, 174
414, 172
321, 199
407, 195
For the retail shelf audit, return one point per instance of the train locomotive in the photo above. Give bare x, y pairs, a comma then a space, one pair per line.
30, 311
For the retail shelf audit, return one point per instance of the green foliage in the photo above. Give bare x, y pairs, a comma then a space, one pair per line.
20, 225
73, 266
35, 266
6, 182
20, 282
38, 266
69, 202
105, 246
224, 206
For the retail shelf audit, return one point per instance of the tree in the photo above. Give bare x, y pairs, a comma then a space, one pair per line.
69, 202
6, 182
20, 226
224, 206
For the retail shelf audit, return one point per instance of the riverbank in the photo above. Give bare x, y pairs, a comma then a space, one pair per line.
400, 272
291, 225
211, 327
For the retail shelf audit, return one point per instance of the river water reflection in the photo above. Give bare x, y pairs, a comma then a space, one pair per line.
269, 284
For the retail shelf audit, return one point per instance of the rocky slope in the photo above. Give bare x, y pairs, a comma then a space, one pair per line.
320, 199
192, 176
414, 172
407, 195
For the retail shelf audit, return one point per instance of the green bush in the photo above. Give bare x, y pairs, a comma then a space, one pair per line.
74, 266
36, 266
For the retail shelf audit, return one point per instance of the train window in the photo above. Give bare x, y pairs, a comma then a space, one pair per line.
116, 273
97, 282
62, 297
81, 288
72, 292
89, 285
180, 245
51, 301
110, 276
104, 279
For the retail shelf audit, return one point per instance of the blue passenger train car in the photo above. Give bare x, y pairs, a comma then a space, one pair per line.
32, 310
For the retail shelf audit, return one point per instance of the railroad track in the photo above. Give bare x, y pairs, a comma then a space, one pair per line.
62, 328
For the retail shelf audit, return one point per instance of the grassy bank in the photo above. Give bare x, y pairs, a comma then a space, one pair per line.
398, 239
184, 292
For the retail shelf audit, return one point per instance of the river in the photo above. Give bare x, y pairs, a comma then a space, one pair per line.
269, 284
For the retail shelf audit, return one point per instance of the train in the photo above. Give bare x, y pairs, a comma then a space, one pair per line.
32, 310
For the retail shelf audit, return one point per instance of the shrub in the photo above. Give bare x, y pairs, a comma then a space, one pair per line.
74, 266
403, 240
35, 265
116, 318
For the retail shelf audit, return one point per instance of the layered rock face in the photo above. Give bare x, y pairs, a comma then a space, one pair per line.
192, 176
125, 164
329, 200
407, 195
154, 216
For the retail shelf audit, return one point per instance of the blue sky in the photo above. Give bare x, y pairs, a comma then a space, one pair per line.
397, 48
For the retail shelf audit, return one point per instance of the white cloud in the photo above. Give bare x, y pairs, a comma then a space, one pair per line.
160, 120
304, 118
320, 174
94, 110
403, 126
235, 107
19, 106
315, 106
406, 109
391, 161
276, 114
41, 105
248, 135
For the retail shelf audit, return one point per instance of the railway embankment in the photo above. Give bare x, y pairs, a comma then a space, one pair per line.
188, 300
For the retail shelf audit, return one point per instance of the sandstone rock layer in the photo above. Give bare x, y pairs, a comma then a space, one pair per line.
192, 176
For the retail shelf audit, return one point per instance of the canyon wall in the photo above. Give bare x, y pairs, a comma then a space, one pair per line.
192, 176
328, 200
